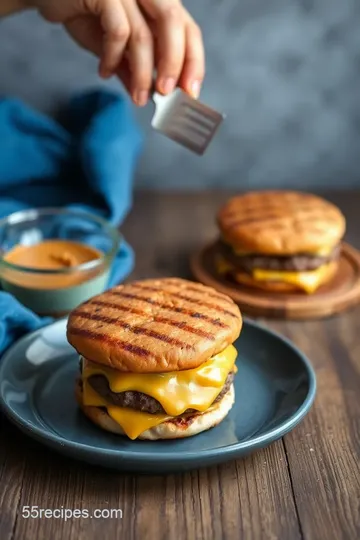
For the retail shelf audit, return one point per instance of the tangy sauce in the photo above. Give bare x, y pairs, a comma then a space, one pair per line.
51, 255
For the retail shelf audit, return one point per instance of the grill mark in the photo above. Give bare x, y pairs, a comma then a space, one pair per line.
113, 305
90, 334
229, 215
134, 329
146, 287
212, 295
306, 218
248, 204
247, 221
164, 320
186, 328
207, 304
186, 298
191, 289
194, 314
270, 208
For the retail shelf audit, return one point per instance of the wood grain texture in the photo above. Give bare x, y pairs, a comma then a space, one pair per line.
303, 487
341, 293
12, 465
325, 451
238, 498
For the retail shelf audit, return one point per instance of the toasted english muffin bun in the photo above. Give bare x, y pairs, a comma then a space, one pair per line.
156, 325
280, 223
176, 428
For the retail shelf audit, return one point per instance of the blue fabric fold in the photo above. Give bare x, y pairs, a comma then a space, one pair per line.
86, 162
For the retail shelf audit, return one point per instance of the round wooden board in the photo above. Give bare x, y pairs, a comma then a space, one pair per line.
339, 294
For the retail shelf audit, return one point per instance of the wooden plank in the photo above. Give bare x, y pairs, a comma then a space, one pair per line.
50, 482
324, 450
165, 229
235, 500
11, 477
238, 498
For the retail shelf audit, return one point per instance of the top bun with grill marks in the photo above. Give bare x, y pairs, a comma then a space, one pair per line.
155, 325
280, 223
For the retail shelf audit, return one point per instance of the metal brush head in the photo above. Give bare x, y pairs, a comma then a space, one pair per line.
185, 120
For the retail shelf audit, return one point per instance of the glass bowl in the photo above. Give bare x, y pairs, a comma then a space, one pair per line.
56, 291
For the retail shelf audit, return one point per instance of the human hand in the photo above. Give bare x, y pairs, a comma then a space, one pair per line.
133, 38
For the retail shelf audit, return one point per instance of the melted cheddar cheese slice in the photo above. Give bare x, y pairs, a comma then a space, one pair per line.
308, 281
132, 422
176, 391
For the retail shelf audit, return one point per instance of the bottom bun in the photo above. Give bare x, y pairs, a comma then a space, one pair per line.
175, 428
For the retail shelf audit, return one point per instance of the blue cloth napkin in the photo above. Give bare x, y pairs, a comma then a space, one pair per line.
87, 162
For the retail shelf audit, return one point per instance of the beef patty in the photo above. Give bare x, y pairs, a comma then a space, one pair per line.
138, 400
292, 263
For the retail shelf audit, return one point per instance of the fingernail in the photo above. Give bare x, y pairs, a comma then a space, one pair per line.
195, 89
167, 85
141, 97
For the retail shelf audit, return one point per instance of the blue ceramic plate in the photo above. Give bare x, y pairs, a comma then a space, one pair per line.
275, 387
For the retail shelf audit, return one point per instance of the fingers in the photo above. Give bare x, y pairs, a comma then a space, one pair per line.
170, 28
124, 74
117, 31
88, 33
140, 54
194, 63
126, 29
129, 36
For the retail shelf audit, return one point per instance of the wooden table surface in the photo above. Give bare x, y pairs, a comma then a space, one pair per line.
306, 485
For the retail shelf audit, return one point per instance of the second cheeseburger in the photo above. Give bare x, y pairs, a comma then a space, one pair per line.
280, 241
157, 360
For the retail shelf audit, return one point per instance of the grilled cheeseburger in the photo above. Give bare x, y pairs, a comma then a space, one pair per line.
157, 360
280, 240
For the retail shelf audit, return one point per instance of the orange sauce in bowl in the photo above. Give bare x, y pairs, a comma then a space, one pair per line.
51, 255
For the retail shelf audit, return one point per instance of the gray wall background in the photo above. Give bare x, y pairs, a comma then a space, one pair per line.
286, 72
